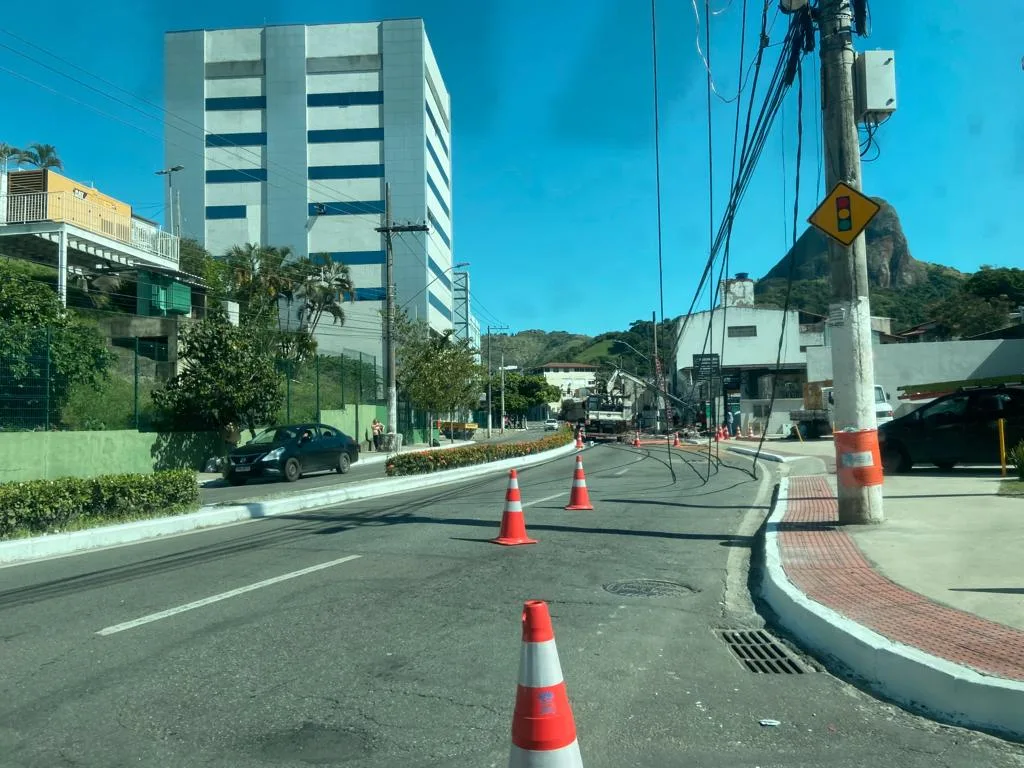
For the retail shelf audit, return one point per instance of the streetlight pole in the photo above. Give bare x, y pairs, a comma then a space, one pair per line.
173, 212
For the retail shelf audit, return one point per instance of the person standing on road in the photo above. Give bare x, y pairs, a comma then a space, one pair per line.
730, 427
378, 434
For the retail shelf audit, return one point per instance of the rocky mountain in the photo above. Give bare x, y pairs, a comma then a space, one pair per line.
890, 264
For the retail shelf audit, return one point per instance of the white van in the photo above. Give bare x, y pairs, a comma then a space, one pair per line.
883, 410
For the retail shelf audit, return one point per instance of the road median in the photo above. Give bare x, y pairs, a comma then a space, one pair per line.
57, 544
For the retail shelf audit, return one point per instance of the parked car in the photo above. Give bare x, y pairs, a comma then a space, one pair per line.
959, 428
291, 452
550, 425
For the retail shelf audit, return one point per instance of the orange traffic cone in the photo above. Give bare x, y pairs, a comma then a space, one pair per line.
636, 440
579, 441
718, 434
513, 524
675, 441
579, 497
543, 728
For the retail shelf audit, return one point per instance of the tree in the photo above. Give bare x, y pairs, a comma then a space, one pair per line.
193, 258
44, 351
1005, 283
437, 372
7, 153
41, 156
523, 392
228, 378
323, 290
967, 315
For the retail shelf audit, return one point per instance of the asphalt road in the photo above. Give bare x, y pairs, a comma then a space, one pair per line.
408, 654
222, 493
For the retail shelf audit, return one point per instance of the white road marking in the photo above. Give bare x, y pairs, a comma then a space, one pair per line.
546, 498
222, 596
621, 472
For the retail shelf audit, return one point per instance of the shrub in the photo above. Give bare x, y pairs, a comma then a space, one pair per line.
422, 462
50, 506
1015, 456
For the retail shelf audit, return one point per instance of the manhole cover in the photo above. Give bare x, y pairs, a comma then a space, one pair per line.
648, 588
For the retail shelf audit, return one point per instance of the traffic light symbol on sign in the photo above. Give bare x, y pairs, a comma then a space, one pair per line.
844, 222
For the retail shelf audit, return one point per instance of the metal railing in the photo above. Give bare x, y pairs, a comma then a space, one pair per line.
65, 207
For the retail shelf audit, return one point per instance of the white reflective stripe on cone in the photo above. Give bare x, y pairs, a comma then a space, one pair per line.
513, 506
579, 483
538, 665
566, 757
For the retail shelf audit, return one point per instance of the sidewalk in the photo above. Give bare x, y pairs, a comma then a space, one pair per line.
925, 609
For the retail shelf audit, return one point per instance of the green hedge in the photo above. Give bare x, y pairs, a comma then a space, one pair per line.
72, 503
422, 462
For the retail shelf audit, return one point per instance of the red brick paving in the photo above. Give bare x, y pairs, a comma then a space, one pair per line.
824, 562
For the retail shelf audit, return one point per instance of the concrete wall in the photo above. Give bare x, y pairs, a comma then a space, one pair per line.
49, 455
740, 350
902, 364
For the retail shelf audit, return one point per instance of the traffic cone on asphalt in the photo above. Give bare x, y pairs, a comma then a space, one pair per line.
543, 728
636, 440
513, 524
675, 441
579, 441
718, 434
579, 497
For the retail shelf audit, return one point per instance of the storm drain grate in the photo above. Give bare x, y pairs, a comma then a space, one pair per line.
761, 653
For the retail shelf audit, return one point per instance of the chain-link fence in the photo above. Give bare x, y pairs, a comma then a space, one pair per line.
329, 382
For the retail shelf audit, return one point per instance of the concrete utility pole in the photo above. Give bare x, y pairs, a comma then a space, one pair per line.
849, 307
388, 230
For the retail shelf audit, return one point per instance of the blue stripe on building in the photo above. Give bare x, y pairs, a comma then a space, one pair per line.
438, 197
236, 175
349, 99
355, 257
437, 129
236, 139
440, 168
439, 273
439, 305
440, 230
340, 135
346, 171
214, 212
224, 103
346, 208
370, 294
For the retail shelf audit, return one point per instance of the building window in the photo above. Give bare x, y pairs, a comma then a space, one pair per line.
803, 347
740, 331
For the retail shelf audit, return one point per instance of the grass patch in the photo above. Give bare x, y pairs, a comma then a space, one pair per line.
1012, 488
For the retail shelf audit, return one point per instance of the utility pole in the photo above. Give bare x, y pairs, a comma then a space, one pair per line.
849, 307
388, 230
490, 406
502, 428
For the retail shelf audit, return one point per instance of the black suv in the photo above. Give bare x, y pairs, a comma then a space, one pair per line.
290, 452
960, 428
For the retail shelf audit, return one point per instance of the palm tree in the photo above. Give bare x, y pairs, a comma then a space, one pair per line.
323, 292
6, 153
41, 156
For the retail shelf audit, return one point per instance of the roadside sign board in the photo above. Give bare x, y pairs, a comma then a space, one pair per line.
844, 213
706, 367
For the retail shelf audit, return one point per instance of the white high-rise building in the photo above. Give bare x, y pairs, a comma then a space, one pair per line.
302, 126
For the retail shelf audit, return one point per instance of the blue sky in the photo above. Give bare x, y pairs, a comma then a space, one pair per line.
553, 145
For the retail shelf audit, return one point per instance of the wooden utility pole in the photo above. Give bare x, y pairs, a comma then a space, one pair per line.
388, 230
849, 307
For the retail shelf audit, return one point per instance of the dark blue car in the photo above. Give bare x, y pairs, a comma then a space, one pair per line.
291, 452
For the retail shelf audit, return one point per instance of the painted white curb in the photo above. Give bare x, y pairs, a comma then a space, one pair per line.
763, 455
916, 680
37, 547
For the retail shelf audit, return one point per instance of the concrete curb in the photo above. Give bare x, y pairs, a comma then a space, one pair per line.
763, 455
52, 545
918, 681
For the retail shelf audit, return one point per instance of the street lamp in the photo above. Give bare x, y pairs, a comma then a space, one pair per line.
456, 265
173, 212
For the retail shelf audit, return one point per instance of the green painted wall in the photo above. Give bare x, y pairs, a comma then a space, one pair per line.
48, 455
346, 420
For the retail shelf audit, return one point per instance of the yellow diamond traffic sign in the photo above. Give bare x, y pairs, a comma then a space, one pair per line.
844, 213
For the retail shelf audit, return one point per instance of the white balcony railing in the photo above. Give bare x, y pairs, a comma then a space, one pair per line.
65, 207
